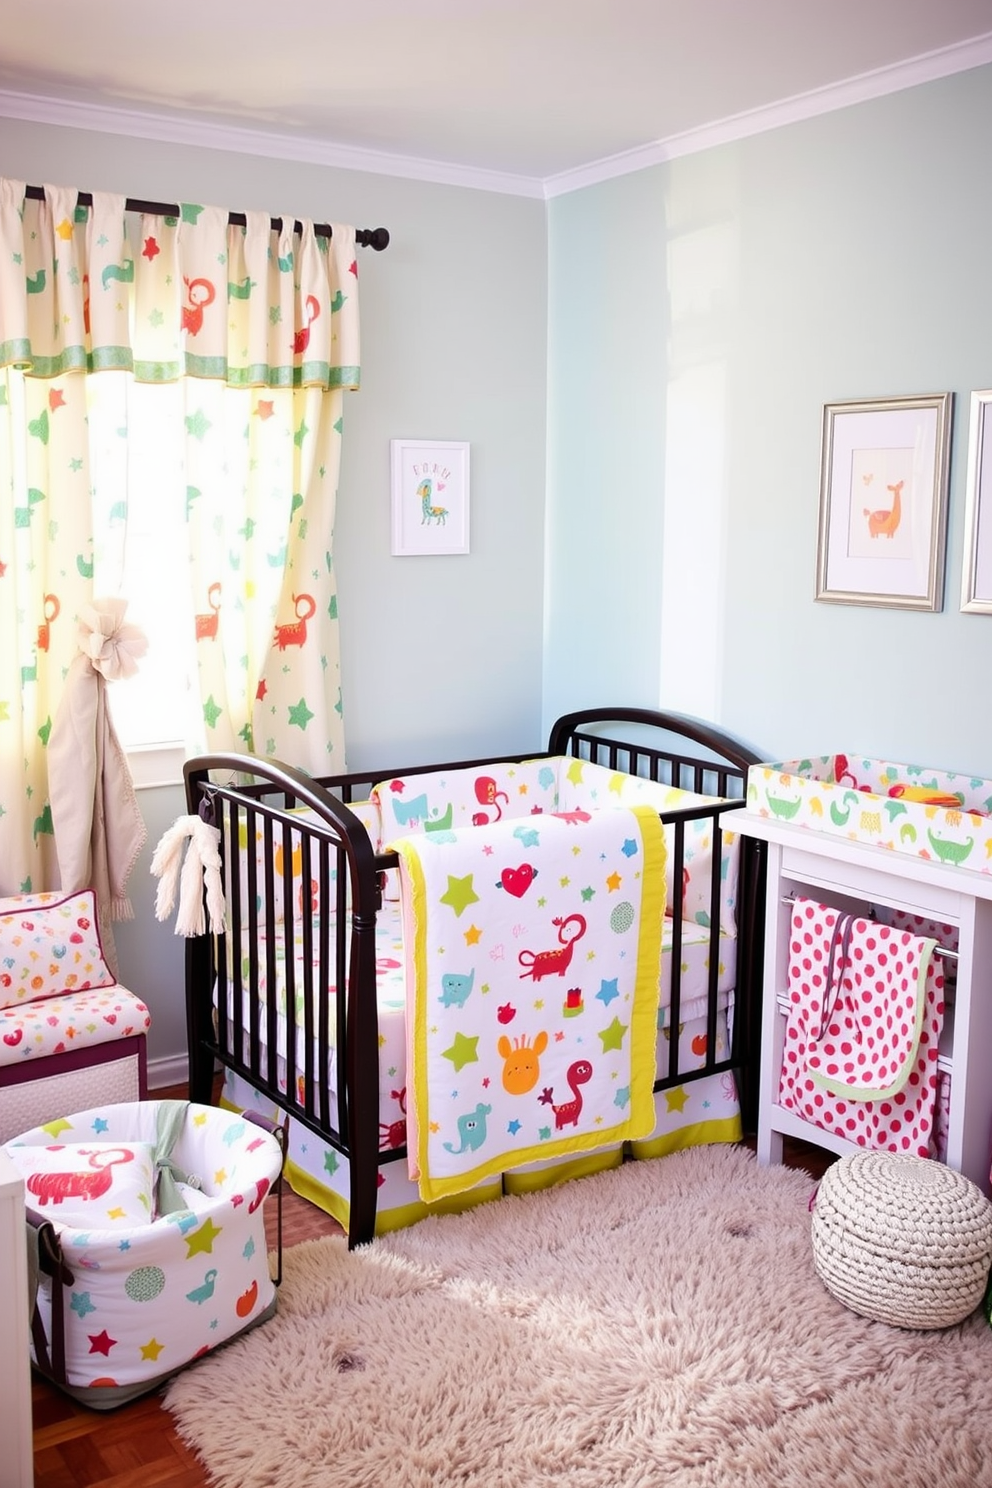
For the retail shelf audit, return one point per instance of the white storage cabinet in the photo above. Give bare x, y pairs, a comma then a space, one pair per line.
858, 877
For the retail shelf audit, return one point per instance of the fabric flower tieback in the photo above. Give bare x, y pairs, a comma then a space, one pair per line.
112, 647
200, 869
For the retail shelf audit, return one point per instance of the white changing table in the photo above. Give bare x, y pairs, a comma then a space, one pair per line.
855, 875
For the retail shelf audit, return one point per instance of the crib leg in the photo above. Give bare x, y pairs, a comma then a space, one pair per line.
364, 1193
201, 1060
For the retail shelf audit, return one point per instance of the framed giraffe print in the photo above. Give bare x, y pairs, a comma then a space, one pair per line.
884, 468
976, 581
429, 497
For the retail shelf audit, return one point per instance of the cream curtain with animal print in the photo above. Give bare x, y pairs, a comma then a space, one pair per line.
259, 329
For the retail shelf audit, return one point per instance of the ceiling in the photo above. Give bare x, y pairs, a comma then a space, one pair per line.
525, 93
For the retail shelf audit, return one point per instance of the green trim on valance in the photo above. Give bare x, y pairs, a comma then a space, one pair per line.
82, 291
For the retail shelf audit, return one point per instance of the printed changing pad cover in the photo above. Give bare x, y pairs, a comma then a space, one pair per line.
938, 815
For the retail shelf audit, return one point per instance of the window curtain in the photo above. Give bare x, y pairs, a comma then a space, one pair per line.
261, 329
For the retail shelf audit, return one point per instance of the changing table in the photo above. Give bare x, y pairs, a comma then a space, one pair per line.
871, 848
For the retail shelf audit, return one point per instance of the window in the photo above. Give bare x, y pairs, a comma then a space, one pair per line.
142, 553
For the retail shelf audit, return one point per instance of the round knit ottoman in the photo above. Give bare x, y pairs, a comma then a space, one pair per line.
901, 1239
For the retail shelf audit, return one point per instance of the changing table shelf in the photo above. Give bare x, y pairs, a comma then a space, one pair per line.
855, 875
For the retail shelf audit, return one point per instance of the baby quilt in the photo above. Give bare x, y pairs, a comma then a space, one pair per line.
532, 995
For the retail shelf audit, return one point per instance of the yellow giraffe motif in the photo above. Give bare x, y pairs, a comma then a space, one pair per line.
521, 1062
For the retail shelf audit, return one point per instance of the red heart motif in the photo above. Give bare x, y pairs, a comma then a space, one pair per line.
83, 924
699, 1044
76, 938
517, 881
13, 1039
110, 1017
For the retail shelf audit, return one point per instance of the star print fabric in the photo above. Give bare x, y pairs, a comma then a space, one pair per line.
532, 989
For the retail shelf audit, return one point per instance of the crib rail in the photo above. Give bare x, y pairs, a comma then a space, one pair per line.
652, 743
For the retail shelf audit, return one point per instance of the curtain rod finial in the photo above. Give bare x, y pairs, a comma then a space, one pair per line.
374, 237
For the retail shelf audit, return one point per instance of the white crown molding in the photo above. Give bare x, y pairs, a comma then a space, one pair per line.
861, 89
180, 130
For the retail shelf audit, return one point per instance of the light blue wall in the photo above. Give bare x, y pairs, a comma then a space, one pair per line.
701, 314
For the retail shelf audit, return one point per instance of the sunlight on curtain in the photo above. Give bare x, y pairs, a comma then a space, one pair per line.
219, 356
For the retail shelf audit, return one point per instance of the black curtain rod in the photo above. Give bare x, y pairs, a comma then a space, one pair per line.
366, 237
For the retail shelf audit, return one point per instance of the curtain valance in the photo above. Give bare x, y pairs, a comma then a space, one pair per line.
246, 305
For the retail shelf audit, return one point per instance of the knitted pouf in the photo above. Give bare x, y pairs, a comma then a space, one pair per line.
903, 1240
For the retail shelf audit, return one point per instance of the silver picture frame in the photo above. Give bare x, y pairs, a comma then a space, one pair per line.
976, 579
884, 469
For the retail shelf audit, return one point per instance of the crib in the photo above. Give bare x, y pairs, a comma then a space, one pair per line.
300, 996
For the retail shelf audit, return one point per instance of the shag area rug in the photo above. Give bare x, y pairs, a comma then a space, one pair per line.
661, 1324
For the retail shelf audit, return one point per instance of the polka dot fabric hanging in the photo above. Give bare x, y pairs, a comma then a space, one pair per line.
866, 1008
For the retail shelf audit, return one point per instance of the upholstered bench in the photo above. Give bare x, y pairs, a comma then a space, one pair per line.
70, 1034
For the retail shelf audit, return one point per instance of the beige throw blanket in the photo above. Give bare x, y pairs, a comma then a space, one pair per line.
99, 830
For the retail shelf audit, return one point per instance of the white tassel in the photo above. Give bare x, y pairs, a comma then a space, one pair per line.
201, 866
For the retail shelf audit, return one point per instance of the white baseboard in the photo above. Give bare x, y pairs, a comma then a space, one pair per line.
174, 1070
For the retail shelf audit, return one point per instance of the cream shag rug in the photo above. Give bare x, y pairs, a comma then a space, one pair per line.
658, 1326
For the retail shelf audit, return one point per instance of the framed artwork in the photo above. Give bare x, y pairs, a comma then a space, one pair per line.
429, 497
976, 583
884, 466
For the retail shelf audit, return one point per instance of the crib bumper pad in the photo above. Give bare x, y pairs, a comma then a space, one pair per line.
58, 1025
146, 1292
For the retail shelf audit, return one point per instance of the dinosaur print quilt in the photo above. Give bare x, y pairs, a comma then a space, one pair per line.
532, 995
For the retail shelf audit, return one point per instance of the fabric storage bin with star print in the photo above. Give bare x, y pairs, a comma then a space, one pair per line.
147, 1221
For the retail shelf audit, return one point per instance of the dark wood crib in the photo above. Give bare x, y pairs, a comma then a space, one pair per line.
315, 1057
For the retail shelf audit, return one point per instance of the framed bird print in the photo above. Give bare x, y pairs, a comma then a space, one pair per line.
429, 497
884, 466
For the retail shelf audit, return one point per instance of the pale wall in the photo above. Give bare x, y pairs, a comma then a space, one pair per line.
701, 314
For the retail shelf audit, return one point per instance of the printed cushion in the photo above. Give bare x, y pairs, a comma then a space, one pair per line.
583, 786
50, 946
60, 1025
89, 1185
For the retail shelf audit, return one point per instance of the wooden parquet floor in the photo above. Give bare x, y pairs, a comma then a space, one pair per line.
136, 1446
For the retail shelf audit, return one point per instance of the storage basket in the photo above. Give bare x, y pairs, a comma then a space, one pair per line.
135, 1279
902, 1239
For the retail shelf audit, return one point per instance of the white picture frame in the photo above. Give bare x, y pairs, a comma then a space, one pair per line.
884, 470
976, 580
430, 497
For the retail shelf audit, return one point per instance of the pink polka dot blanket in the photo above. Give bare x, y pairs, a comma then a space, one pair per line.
865, 1012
